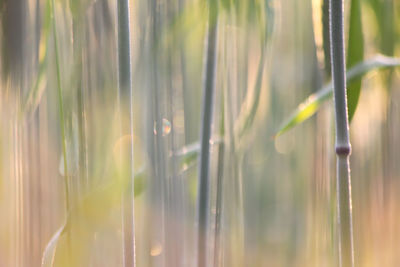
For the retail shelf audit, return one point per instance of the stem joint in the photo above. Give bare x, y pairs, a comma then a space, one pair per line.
343, 150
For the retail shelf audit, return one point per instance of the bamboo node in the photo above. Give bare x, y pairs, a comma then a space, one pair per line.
343, 150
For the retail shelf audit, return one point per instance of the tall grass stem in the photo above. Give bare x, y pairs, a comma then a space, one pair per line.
125, 85
62, 124
206, 130
61, 109
343, 147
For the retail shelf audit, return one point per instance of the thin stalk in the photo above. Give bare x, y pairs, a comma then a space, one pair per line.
160, 189
62, 122
83, 158
326, 39
343, 147
174, 252
61, 109
218, 204
80, 97
186, 112
206, 130
125, 85
387, 47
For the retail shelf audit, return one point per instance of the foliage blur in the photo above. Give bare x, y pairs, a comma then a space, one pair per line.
278, 194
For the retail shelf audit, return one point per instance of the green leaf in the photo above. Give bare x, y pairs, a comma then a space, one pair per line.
97, 205
188, 154
51, 248
384, 13
226, 4
79, 8
246, 117
34, 95
308, 107
326, 39
355, 55
184, 24
93, 208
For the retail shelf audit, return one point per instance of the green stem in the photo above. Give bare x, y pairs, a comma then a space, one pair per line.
61, 110
343, 147
124, 85
326, 39
206, 130
62, 125
80, 97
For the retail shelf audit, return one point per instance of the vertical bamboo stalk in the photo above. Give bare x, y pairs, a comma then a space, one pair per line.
206, 130
125, 85
343, 147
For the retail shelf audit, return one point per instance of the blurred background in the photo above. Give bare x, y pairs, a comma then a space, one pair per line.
65, 138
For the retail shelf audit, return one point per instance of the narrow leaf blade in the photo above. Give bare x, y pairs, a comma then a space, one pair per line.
51, 248
311, 105
355, 55
189, 154
247, 116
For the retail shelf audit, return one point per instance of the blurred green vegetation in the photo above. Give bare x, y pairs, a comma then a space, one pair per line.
277, 187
